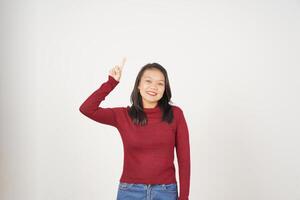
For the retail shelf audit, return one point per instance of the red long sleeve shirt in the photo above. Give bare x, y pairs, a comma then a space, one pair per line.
148, 150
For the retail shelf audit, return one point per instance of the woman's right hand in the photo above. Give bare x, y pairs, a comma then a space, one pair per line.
117, 70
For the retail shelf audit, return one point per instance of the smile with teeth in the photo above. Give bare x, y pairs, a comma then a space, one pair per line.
152, 93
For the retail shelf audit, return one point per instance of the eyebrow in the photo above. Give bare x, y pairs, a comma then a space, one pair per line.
151, 78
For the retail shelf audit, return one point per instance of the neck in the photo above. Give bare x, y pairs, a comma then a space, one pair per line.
150, 105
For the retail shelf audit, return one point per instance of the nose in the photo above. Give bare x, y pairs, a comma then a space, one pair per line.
153, 87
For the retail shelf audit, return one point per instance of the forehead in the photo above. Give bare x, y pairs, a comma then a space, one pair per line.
154, 74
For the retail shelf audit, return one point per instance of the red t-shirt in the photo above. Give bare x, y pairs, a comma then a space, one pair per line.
148, 150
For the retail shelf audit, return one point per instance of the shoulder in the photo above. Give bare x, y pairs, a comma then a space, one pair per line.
176, 109
177, 112
120, 109
179, 116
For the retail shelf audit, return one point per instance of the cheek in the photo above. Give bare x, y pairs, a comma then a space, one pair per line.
142, 86
161, 91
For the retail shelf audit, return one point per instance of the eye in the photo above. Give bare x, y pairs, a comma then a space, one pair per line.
160, 84
148, 81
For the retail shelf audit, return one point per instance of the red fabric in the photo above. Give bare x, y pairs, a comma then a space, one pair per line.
148, 150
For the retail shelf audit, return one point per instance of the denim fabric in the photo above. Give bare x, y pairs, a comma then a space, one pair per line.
132, 191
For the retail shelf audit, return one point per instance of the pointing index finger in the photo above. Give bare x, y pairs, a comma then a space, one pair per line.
123, 62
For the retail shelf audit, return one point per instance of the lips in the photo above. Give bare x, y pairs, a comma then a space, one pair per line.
151, 93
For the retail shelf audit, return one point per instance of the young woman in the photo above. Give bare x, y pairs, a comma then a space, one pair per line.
150, 130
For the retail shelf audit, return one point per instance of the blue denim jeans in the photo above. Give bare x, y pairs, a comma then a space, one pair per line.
132, 191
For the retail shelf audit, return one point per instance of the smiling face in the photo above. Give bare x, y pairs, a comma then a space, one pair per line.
151, 87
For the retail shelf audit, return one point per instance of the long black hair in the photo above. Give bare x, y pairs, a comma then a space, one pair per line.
136, 111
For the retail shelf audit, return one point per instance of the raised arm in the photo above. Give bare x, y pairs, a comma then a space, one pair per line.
90, 107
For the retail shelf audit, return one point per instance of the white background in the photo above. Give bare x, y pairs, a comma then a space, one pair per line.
233, 68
